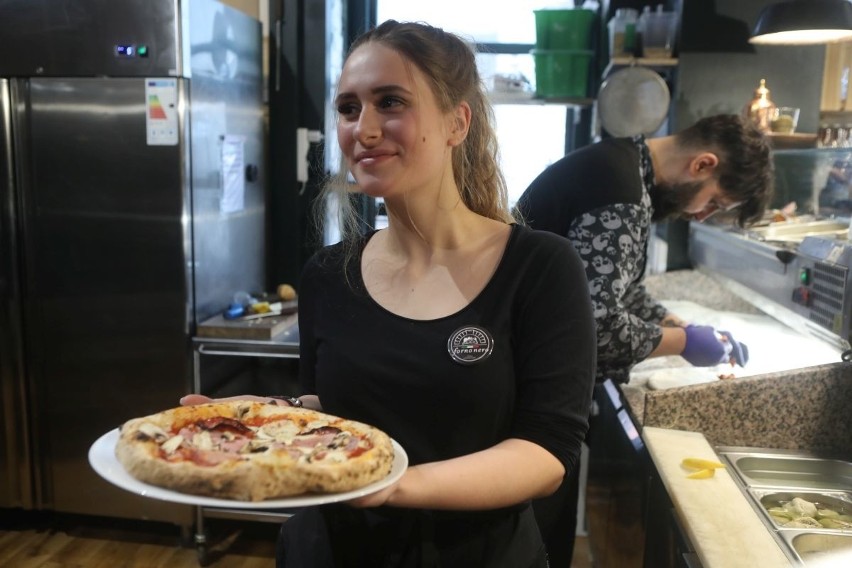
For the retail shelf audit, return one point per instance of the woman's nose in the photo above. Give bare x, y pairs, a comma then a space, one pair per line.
368, 129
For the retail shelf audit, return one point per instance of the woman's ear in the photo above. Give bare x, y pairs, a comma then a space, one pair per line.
460, 124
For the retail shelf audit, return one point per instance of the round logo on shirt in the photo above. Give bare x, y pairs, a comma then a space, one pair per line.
469, 345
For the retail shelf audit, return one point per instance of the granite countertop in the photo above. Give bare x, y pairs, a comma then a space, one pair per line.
698, 287
804, 408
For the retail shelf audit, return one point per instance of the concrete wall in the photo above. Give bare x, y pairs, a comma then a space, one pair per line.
718, 70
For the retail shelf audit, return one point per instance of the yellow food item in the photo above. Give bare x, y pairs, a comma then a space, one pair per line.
260, 308
699, 463
702, 474
286, 292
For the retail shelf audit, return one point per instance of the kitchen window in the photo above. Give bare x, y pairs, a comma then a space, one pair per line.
531, 136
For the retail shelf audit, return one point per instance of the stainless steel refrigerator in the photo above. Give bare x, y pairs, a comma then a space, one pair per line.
132, 207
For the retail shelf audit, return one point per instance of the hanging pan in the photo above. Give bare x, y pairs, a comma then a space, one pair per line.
633, 101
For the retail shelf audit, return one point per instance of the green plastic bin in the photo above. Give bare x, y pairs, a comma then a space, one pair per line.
562, 73
564, 29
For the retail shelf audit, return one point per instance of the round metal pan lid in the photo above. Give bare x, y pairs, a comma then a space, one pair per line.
633, 101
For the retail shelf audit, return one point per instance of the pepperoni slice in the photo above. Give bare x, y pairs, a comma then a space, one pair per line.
321, 431
222, 423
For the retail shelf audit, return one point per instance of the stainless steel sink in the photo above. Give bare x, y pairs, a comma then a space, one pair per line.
770, 478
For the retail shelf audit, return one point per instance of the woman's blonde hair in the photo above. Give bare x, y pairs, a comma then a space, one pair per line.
450, 66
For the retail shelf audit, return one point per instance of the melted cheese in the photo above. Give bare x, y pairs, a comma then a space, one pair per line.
275, 435
202, 440
172, 444
278, 430
152, 430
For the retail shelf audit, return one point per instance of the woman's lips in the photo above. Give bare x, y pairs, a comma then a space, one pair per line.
371, 158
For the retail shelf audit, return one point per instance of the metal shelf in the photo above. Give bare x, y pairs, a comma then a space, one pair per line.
660, 64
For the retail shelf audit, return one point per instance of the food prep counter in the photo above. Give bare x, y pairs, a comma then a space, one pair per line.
785, 291
760, 510
722, 529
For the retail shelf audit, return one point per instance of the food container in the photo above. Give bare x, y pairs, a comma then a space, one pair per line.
622, 32
772, 479
562, 73
658, 33
564, 29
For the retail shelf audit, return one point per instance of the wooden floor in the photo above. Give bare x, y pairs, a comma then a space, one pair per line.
614, 513
58, 541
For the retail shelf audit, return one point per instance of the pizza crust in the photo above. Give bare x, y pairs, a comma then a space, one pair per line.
271, 473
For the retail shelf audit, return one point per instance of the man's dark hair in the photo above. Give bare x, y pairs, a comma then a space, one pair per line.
745, 172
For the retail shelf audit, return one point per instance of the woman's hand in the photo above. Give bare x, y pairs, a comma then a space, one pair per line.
193, 399
378, 498
308, 400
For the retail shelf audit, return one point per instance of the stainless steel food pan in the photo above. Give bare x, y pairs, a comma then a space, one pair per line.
838, 501
791, 471
820, 550
769, 476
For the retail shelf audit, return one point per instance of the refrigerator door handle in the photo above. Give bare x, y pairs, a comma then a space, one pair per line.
16, 468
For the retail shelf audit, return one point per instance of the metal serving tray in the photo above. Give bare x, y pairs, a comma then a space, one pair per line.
767, 476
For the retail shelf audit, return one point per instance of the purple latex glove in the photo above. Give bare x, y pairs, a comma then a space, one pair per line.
704, 347
739, 350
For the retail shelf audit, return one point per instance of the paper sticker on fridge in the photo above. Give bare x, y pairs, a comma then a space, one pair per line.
161, 117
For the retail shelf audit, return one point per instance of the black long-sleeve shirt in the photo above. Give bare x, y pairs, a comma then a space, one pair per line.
369, 364
597, 196
523, 368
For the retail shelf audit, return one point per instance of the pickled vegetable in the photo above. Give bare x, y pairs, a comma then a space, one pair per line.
801, 513
702, 474
699, 463
835, 523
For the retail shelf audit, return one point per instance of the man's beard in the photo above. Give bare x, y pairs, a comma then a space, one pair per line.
670, 200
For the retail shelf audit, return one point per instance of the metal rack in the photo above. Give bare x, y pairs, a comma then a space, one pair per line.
284, 345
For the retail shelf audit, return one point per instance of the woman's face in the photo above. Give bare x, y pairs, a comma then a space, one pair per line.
390, 130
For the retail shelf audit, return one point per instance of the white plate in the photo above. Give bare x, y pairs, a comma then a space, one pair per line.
103, 461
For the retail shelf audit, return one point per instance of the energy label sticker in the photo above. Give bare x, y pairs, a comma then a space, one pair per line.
161, 117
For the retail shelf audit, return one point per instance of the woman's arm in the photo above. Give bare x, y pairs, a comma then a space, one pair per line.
527, 471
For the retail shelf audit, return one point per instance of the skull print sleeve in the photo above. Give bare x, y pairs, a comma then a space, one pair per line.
611, 243
599, 197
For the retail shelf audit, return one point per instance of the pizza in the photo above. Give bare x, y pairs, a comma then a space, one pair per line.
252, 451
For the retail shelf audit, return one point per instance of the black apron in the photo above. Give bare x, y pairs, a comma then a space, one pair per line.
339, 536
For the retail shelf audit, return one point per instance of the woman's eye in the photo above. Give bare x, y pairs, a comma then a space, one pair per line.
346, 109
388, 102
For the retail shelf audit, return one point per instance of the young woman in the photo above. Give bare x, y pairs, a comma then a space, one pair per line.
467, 338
